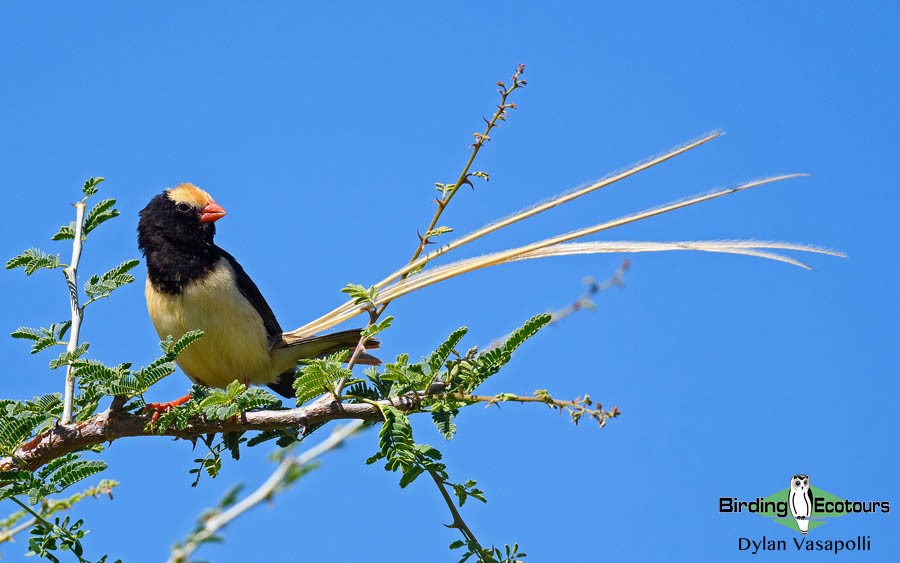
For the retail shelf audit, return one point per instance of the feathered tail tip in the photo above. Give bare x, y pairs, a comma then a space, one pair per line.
760, 249
396, 285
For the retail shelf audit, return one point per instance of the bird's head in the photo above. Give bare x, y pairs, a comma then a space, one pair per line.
184, 215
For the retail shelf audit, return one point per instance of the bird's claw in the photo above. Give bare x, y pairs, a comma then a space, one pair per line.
159, 408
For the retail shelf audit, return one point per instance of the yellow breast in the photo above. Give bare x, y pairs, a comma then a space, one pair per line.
234, 345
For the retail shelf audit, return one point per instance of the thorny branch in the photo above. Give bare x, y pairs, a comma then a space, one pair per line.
110, 426
71, 273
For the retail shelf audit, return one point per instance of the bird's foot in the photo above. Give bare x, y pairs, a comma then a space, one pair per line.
159, 408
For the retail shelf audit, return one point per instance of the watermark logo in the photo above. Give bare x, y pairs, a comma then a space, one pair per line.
803, 508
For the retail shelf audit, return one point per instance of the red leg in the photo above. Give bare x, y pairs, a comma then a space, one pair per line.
159, 408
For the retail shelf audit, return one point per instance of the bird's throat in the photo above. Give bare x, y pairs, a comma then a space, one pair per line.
171, 268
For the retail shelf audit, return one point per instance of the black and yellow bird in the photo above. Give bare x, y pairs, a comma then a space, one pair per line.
193, 284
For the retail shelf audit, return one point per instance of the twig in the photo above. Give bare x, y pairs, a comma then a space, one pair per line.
11, 533
617, 279
577, 408
480, 138
38, 518
458, 521
263, 492
71, 273
582, 302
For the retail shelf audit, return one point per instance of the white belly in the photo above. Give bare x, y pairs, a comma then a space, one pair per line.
234, 345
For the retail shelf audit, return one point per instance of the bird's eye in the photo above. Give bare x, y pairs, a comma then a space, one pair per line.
183, 207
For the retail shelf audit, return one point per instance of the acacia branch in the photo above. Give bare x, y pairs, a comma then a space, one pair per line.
71, 273
111, 426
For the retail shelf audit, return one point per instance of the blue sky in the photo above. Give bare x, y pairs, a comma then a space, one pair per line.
322, 128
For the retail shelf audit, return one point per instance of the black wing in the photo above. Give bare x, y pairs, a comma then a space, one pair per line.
249, 290
284, 385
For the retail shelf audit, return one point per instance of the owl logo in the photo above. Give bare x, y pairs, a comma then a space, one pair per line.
801, 501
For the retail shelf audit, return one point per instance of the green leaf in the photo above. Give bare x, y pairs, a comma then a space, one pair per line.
174, 418
440, 355
295, 472
69, 357
257, 398
526, 331
26, 333
186, 340
49, 405
101, 286
101, 212
410, 475
149, 376
231, 496
221, 404
14, 430
36, 494
127, 384
232, 441
45, 471
408, 376
43, 338
91, 371
90, 186
489, 362
360, 294
33, 260
75, 471
15, 476
59, 330
396, 441
66, 232
377, 327
442, 416
318, 376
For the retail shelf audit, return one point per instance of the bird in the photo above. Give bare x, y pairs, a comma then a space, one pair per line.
194, 284
801, 501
